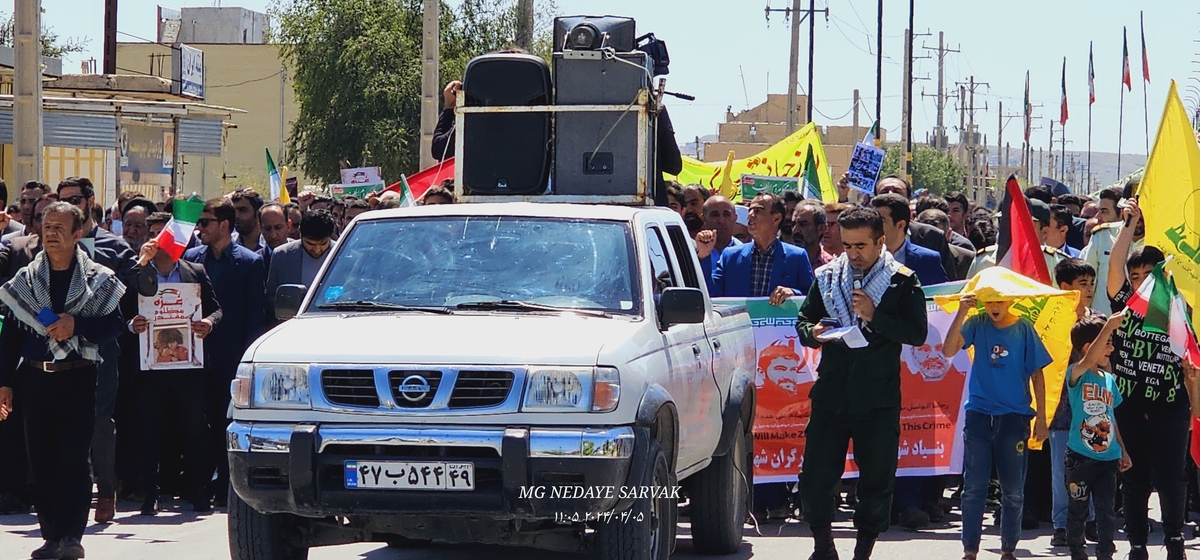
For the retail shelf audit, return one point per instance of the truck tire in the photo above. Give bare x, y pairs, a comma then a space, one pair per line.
259, 536
645, 531
720, 495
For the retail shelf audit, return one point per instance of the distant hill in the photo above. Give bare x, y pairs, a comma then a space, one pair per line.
1104, 167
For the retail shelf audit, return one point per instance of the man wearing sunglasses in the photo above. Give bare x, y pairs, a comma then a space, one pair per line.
113, 252
239, 280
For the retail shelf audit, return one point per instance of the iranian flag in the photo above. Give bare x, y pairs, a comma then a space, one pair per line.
1125, 78
1062, 117
178, 232
810, 179
1165, 312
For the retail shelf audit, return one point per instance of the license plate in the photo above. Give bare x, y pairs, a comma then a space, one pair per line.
406, 475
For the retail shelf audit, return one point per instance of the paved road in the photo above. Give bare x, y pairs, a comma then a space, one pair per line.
179, 534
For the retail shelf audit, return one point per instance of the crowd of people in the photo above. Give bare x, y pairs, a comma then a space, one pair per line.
1121, 428
77, 410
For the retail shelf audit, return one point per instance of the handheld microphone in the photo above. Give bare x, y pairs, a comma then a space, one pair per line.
857, 275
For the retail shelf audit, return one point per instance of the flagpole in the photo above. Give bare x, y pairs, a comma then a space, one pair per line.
1145, 95
1089, 156
1091, 100
1120, 130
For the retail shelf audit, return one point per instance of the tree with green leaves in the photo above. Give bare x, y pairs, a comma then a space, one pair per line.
932, 169
356, 71
53, 46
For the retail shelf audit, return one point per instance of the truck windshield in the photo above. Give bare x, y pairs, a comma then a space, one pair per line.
444, 262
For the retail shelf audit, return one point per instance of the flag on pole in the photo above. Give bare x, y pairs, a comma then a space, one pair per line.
284, 196
1028, 109
406, 194
1125, 78
1091, 77
1062, 114
871, 134
811, 179
1017, 246
274, 177
1145, 58
1165, 196
175, 237
1165, 312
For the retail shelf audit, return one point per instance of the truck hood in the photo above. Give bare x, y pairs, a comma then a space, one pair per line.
501, 338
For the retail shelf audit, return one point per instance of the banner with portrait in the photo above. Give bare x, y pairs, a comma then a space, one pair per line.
933, 391
169, 342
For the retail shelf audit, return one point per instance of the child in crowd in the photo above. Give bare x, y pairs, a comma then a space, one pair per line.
1009, 356
1070, 274
1095, 450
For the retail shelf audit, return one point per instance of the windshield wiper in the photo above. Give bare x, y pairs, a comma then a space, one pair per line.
518, 305
363, 305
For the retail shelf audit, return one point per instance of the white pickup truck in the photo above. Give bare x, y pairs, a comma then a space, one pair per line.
545, 375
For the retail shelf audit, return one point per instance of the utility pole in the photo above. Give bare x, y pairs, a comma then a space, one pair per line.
430, 86
525, 24
879, 76
1051, 169
939, 133
1000, 133
906, 113
27, 91
969, 132
794, 59
110, 36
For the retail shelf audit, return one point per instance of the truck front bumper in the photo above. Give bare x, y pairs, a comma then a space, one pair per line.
300, 469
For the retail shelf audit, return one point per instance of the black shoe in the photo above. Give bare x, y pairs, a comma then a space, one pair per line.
935, 512
150, 506
202, 505
71, 549
1175, 549
1090, 532
1137, 552
10, 504
1059, 538
823, 548
864, 545
51, 549
1079, 553
913, 518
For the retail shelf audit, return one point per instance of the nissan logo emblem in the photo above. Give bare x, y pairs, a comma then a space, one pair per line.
413, 388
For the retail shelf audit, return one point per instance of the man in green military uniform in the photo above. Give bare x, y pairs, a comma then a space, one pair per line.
857, 392
986, 258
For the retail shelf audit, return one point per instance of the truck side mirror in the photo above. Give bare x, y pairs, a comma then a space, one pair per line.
288, 298
680, 306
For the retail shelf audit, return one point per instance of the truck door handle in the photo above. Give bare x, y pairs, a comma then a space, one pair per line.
716, 344
696, 350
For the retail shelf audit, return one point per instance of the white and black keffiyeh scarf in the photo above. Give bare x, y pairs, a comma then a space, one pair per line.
94, 292
836, 282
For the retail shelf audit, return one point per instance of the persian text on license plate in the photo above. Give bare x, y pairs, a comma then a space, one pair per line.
405, 475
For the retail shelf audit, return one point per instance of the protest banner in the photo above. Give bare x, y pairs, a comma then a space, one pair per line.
753, 185
933, 389
359, 191
785, 159
865, 164
170, 342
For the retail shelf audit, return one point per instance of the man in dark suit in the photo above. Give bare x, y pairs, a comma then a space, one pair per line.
928, 237
297, 262
239, 280
766, 267
179, 393
896, 218
962, 257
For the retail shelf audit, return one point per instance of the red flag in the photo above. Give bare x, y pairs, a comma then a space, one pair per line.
1017, 247
1062, 114
420, 181
1125, 78
1145, 58
1091, 77
1196, 440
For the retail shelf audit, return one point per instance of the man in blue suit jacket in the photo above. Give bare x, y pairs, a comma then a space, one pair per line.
239, 280
766, 267
896, 216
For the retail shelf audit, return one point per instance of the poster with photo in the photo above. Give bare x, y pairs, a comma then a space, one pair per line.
865, 164
170, 342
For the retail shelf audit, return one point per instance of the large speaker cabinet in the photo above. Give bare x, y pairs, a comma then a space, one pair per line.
509, 153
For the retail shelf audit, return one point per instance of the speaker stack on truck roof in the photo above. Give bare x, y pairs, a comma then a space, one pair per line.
579, 129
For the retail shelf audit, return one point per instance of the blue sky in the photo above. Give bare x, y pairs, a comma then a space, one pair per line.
713, 43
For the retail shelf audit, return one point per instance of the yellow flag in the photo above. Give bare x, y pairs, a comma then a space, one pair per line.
284, 197
1169, 196
729, 187
785, 159
1051, 311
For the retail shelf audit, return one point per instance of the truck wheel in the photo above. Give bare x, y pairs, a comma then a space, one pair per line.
645, 531
720, 498
259, 536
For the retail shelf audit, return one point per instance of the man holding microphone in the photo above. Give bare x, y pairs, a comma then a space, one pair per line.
857, 392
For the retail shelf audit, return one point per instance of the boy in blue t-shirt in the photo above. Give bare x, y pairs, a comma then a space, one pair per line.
1095, 451
1009, 356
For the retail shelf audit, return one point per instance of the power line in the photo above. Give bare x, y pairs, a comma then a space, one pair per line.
278, 72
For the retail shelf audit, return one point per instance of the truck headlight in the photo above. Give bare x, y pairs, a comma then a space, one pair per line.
281, 386
572, 390
239, 388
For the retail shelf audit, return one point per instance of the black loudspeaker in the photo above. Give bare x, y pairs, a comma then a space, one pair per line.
591, 31
506, 153
596, 152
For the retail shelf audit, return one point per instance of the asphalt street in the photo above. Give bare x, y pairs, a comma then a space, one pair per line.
179, 534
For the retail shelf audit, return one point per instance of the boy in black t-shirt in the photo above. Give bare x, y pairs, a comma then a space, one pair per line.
1155, 416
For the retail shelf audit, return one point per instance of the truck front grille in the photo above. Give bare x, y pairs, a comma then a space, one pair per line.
413, 394
350, 387
480, 389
